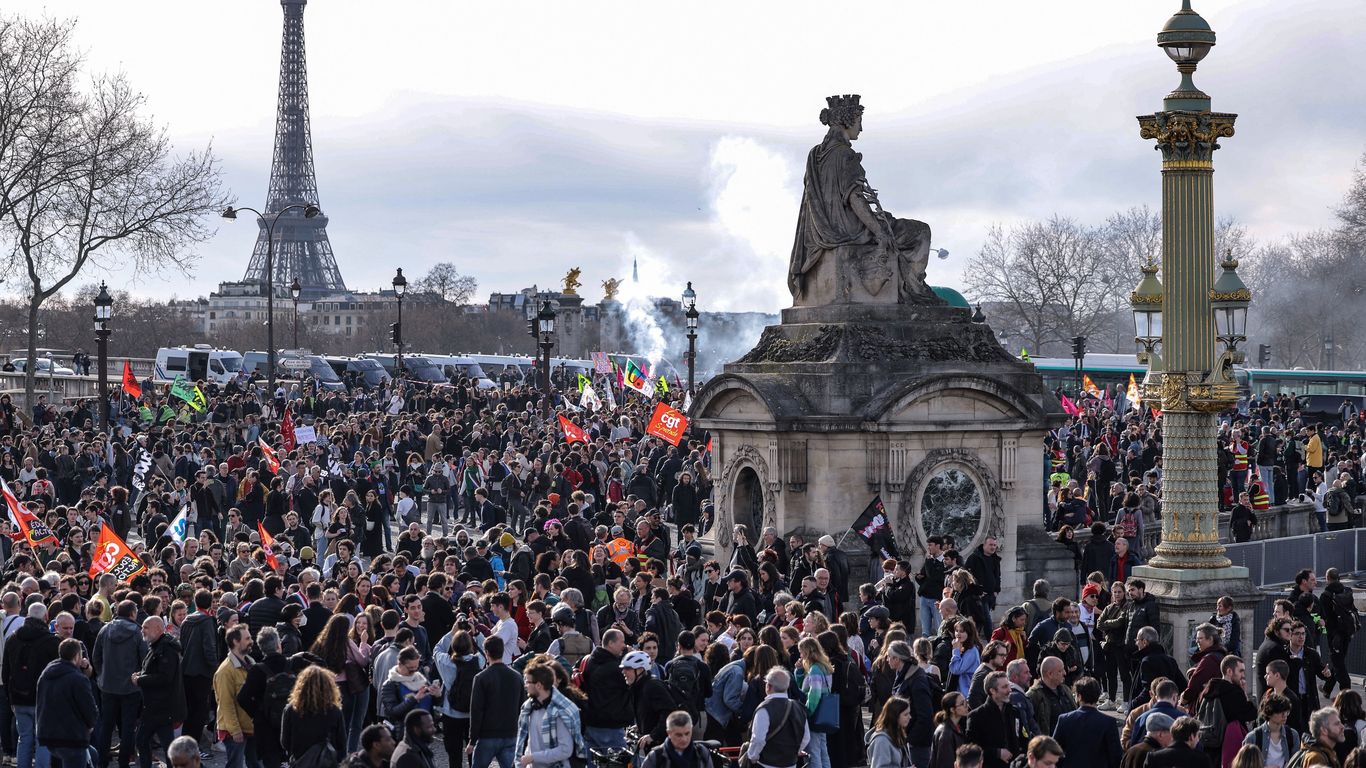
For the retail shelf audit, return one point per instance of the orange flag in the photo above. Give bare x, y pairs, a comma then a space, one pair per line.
26, 524
112, 555
572, 433
1090, 387
667, 423
268, 544
130, 382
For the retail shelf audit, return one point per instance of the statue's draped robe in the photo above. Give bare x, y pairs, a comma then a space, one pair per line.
827, 223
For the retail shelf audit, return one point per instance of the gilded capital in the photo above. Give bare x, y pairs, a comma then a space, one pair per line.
1187, 139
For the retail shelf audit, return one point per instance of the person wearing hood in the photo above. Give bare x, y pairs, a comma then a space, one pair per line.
162, 687
661, 619
65, 708
27, 652
119, 651
406, 689
292, 622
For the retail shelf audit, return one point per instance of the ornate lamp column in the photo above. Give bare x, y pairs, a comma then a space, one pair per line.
104, 310
1190, 566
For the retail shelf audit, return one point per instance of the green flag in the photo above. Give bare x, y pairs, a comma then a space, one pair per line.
1024, 354
583, 382
189, 393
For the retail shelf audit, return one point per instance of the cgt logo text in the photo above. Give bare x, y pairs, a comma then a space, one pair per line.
671, 421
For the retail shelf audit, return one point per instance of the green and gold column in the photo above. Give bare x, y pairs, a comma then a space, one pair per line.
1188, 388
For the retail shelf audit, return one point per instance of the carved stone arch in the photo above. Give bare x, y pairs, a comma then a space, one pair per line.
744, 457
909, 526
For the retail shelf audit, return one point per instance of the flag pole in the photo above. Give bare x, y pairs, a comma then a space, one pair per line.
847, 531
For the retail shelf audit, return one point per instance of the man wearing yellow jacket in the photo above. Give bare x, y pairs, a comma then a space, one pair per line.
234, 724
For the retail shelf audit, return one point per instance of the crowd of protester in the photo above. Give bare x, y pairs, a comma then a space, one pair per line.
442, 570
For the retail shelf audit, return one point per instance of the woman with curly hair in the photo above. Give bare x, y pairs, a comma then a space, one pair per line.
348, 660
313, 716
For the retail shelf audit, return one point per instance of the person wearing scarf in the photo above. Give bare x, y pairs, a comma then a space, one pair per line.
406, 688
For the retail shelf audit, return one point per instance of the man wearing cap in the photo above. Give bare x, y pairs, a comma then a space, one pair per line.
1157, 735
837, 563
739, 598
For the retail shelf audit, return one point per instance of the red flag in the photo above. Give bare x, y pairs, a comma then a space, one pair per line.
287, 432
26, 524
272, 460
572, 434
1069, 407
268, 544
709, 444
130, 382
112, 555
667, 423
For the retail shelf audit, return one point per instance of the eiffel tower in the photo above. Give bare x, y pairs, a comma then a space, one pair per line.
301, 245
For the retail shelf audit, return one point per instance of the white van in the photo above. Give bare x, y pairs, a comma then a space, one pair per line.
198, 362
510, 368
455, 366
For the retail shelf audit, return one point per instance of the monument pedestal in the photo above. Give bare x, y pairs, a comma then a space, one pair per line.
1187, 596
913, 404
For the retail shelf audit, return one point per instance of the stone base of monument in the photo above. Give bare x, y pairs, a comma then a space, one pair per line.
912, 404
1187, 597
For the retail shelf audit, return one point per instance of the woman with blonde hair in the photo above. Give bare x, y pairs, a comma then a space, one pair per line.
816, 684
313, 716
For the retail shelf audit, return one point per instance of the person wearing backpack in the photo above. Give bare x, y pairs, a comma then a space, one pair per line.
458, 662
312, 729
1320, 749
265, 693
495, 704
31, 648
1225, 711
688, 672
1340, 625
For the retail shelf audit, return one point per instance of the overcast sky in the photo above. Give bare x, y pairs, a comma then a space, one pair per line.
519, 139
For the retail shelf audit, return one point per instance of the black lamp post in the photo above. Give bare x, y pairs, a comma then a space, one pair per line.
104, 310
690, 315
230, 213
545, 323
294, 290
400, 287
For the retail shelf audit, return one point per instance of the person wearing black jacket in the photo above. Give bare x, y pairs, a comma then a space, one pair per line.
985, 567
267, 611
163, 689
28, 652
993, 726
495, 702
661, 619
899, 595
604, 724
313, 715
1228, 689
913, 684
198, 661
316, 614
653, 702
1152, 661
1275, 640
739, 598
930, 581
1340, 625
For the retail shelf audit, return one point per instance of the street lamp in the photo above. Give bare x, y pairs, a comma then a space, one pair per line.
400, 287
1193, 381
1146, 303
545, 323
294, 290
104, 310
690, 302
230, 213
530, 310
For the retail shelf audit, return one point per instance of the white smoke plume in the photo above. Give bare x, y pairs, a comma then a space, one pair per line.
754, 198
637, 299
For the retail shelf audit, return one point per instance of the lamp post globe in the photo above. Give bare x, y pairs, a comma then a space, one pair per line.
295, 290
545, 324
690, 316
400, 284
1146, 304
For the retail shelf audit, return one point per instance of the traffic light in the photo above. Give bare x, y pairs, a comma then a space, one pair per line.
1263, 355
1078, 347
396, 334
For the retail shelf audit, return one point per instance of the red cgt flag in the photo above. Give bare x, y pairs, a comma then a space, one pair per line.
572, 434
112, 555
287, 432
272, 460
27, 526
130, 382
268, 544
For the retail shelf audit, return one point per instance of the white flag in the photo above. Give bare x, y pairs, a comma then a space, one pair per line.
687, 402
611, 398
590, 399
177, 528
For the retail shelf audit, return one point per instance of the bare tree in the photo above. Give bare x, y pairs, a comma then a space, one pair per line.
1049, 279
445, 281
94, 184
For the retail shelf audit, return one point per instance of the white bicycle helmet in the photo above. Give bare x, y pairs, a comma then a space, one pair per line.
636, 660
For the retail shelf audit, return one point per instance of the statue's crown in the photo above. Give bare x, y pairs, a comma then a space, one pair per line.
841, 110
